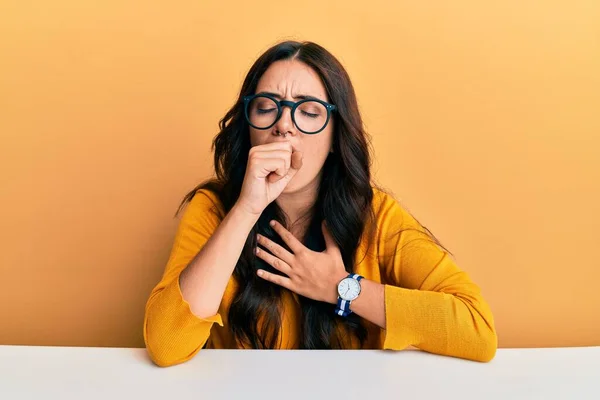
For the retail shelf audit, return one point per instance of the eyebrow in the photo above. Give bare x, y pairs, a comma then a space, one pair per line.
298, 96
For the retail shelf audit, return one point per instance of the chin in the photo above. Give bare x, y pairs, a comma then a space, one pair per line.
292, 187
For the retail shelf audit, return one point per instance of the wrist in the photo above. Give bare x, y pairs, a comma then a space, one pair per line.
243, 216
349, 290
334, 291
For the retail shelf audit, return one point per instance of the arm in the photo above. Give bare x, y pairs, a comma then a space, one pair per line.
428, 302
370, 304
183, 307
203, 282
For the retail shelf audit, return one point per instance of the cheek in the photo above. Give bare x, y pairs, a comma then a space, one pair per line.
316, 151
323, 143
257, 137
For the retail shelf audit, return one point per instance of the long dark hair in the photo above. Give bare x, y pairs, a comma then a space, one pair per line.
344, 200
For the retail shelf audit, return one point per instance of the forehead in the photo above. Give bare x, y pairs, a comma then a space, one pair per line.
290, 78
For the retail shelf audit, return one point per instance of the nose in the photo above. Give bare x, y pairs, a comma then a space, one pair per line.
285, 124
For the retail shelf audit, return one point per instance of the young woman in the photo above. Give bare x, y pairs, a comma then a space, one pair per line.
292, 245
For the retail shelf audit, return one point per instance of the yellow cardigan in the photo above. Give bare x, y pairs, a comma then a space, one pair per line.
430, 303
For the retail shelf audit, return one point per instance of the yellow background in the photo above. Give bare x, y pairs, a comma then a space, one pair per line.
484, 117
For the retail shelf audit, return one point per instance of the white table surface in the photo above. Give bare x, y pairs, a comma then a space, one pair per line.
28, 372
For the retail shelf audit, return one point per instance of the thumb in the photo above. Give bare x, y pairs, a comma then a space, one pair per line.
330, 243
296, 162
295, 165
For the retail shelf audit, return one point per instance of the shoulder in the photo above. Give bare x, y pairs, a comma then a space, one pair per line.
395, 224
387, 210
203, 204
206, 197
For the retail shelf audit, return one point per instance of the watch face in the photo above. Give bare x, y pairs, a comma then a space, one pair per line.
349, 289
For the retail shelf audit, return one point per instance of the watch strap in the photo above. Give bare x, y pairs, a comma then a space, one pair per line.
343, 306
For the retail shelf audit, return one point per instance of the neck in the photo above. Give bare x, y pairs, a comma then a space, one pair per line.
298, 206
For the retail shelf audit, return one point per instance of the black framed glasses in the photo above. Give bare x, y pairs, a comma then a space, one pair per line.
310, 115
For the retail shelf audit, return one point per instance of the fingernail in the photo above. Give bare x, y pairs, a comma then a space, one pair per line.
256, 250
259, 272
272, 223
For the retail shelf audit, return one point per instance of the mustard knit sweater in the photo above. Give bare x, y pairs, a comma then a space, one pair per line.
430, 303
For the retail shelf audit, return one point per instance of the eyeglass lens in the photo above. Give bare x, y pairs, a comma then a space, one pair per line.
310, 116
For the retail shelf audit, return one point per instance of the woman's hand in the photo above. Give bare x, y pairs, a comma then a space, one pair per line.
269, 169
308, 273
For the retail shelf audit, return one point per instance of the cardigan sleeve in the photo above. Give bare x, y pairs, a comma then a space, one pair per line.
430, 302
172, 333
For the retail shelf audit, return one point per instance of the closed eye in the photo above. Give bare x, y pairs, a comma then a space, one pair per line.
265, 111
310, 115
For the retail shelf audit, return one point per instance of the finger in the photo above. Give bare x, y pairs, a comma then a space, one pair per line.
277, 165
294, 244
264, 167
276, 279
296, 161
273, 146
275, 249
330, 242
276, 168
273, 178
282, 154
273, 261
295, 165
